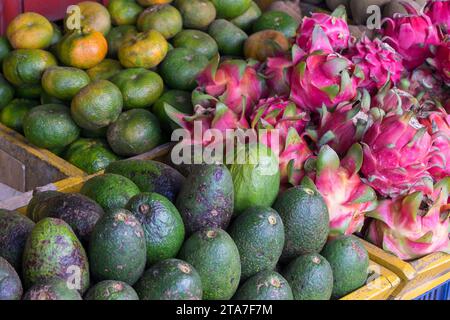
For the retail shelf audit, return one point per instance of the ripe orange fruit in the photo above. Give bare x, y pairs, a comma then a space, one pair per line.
82, 49
30, 31
145, 50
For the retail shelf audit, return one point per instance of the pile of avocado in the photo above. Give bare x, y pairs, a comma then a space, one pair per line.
144, 231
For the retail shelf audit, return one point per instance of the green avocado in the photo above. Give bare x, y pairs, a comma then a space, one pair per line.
162, 223
110, 191
310, 277
111, 290
350, 262
52, 289
259, 235
266, 285
10, 285
215, 256
206, 198
305, 216
117, 248
14, 231
53, 250
170, 279
150, 176
80, 212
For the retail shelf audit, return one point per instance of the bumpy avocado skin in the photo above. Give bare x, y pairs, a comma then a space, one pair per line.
171, 279
266, 285
79, 211
306, 219
52, 289
10, 285
14, 231
110, 191
215, 256
259, 235
350, 262
207, 198
150, 176
162, 223
111, 290
117, 248
310, 277
53, 250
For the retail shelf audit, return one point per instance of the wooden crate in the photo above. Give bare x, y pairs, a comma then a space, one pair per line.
417, 277
24, 167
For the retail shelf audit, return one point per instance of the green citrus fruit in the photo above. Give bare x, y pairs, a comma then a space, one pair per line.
50, 126
163, 18
140, 87
198, 41
135, 131
104, 70
97, 105
13, 114
64, 82
181, 68
26, 66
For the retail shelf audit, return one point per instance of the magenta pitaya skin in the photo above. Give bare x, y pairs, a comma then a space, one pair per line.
439, 13
413, 226
219, 117
323, 77
394, 101
334, 25
425, 84
397, 151
341, 128
411, 35
438, 125
378, 61
347, 197
278, 75
441, 60
236, 83
282, 114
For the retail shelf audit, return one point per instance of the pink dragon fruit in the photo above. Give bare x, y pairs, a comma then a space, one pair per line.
343, 127
293, 157
394, 101
413, 226
346, 196
378, 61
236, 83
285, 116
397, 150
439, 13
219, 118
424, 84
411, 35
334, 25
441, 60
438, 125
323, 77
278, 74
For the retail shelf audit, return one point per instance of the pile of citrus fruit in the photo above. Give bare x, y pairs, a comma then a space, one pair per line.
95, 92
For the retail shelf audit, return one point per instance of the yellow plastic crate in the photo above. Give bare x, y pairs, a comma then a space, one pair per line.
382, 283
417, 277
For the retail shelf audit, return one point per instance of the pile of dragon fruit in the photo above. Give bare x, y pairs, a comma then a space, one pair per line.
372, 115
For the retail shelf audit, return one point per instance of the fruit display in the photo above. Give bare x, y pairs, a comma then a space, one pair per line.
341, 136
